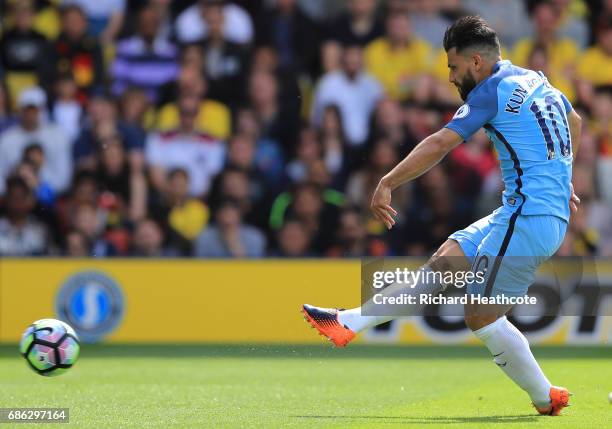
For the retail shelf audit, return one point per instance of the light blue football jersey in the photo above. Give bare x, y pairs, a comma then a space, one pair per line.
526, 119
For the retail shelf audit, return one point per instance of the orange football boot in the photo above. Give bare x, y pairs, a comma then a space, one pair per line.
559, 398
325, 320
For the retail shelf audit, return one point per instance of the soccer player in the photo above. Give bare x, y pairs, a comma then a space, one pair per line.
536, 134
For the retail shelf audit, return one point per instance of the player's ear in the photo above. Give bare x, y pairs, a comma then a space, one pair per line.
477, 61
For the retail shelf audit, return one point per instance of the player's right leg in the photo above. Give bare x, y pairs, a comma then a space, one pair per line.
341, 326
512, 251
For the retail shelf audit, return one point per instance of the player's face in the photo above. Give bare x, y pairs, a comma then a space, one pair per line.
460, 73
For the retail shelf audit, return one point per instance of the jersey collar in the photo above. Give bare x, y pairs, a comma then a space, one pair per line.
496, 68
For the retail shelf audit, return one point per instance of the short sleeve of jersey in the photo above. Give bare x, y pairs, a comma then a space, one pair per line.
566, 103
479, 109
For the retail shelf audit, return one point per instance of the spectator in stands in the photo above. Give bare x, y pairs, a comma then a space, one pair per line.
452, 10
469, 167
182, 217
191, 25
598, 11
433, 214
583, 238
30, 170
595, 65
76, 53
292, 33
46, 16
233, 184
164, 9
23, 52
105, 17
145, 60
262, 160
148, 241
102, 122
33, 128
7, 119
135, 108
428, 23
601, 120
292, 241
20, 233
593, 229
229, 237
353, 91
191, 59
226, 62
318, 174
600, 133
333, 143
331, 56
113, 170
274, 122
318, 10
508, 17
201, 155
389, 125
362, 182
241, 152
359, 25
84, 191
562, 52
290, 84
308, 150
213, 118
91, 222
66, 111
421, 120
400, 61
121, 180
539, 61
77, 245
352, 239
572, 22
315, 207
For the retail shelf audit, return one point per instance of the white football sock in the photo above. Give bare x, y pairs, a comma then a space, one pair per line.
512, 354
353, 319
356, 321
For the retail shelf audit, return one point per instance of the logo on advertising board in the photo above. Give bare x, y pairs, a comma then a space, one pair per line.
92, 303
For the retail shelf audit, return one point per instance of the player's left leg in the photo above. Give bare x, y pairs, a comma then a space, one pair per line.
529, 241
340, 326
456, 254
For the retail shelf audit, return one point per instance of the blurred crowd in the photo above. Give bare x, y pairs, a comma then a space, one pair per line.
215, 128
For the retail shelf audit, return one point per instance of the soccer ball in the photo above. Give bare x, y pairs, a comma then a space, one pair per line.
50, 347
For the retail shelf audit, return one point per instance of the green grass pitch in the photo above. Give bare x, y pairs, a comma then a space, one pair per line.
306, 387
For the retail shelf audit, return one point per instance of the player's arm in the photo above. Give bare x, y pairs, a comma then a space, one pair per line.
575, 125
423, 157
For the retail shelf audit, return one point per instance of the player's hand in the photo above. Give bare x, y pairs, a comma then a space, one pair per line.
574, 200
381, 205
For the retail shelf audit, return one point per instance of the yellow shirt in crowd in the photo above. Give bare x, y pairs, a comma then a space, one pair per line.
595, 67
396, 69
563, 53
190, 219
214, 118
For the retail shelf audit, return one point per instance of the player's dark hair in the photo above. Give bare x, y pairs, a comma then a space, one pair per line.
471, 32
